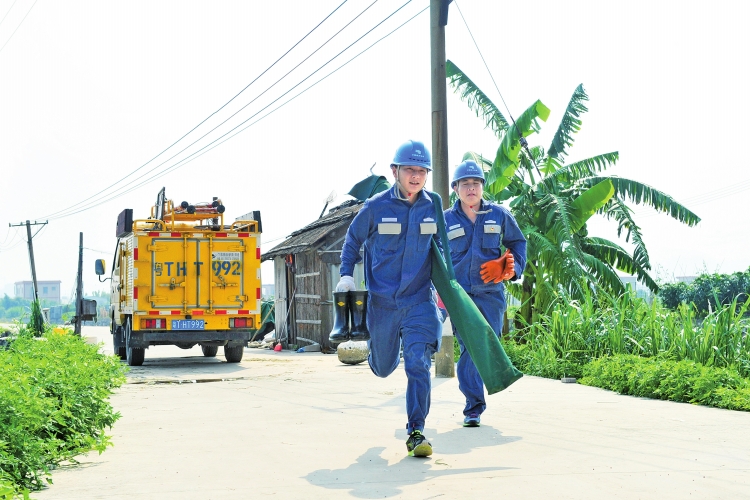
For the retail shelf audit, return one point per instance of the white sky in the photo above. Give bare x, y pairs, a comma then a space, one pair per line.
90, 91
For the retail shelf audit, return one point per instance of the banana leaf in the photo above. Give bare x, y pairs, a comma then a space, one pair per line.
481, 342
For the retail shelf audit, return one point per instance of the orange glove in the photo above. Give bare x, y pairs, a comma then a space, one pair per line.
499, 269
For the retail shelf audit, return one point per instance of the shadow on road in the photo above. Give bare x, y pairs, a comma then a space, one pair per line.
371, 476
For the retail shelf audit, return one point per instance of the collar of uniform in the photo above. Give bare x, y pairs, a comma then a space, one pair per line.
422, 194
483, 205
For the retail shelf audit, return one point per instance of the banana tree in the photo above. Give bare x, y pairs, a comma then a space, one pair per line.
552, 201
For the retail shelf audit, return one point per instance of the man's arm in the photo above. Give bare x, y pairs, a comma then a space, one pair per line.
356, 235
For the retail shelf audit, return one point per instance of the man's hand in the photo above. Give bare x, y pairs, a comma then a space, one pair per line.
346, 284
499, 269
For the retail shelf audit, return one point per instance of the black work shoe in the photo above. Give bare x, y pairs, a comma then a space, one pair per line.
471, 420
418, 445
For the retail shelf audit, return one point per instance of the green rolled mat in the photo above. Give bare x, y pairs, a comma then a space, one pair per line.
481, 342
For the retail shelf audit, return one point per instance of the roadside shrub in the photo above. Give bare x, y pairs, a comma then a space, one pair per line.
659, 378
53, 405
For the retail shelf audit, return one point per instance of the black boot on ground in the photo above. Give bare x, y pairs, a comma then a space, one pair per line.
340, 332
358, 302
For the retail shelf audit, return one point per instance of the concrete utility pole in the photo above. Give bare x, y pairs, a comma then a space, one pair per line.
438, 20
444, 364
79, 287
31, 250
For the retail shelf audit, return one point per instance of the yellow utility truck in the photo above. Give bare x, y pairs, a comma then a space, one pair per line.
182, 277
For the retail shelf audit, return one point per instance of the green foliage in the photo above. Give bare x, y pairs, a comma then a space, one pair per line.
575, 332
36, 322
552, 201
661, 378
707, 292
53, 404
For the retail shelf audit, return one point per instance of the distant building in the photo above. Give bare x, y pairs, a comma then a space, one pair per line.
48, 290
640, 290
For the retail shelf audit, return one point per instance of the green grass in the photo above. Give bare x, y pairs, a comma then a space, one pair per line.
54, 405
574, 333
632, 347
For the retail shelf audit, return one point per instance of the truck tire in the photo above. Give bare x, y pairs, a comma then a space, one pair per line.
234, 354
133, 355
210, 351
119, 350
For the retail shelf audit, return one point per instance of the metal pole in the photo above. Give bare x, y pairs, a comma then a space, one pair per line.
440, 180
79, 287
31, 259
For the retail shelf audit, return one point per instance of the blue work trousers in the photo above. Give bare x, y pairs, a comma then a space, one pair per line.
492, 307
418, 329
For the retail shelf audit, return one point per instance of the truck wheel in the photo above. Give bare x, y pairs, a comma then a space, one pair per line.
234, 354
134, 355
117, 338
210, 351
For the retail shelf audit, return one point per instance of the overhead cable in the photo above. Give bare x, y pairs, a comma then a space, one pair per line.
521, 139
201, 123
19, 24
188, 158
8, 12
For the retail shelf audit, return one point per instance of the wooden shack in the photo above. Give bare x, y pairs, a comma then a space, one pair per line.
306, 271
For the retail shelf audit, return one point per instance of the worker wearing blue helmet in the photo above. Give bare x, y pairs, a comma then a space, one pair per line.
395, 228
478, 230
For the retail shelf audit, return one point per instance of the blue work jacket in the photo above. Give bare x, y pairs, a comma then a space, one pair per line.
396, 237
486, 239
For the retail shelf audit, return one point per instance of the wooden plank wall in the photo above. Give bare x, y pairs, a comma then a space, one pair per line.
280, 295
308, 284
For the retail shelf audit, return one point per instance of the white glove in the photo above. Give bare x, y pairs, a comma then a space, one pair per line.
346, 284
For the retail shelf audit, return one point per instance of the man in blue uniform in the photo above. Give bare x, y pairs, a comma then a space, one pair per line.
396, 227
476, 231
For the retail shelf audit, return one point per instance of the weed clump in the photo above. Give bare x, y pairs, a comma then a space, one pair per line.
54, 405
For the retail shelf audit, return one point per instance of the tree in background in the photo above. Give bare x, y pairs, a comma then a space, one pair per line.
708, 292
552, 201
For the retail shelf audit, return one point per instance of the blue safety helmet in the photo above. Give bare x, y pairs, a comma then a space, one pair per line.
466, 170
413, 153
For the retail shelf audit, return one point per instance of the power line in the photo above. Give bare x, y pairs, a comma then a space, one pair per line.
97, 251
10, 245
186, 161
6, 14
521, 139
192, 156
485, 62
195, 154
203, 121
19, 24
701, 199
7, 235
233, 114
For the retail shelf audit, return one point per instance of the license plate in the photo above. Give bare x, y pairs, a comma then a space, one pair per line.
188, 324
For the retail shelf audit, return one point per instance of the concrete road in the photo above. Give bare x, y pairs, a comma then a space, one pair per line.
303, 425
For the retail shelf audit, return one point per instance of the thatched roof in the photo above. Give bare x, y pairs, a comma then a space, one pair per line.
309, 236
